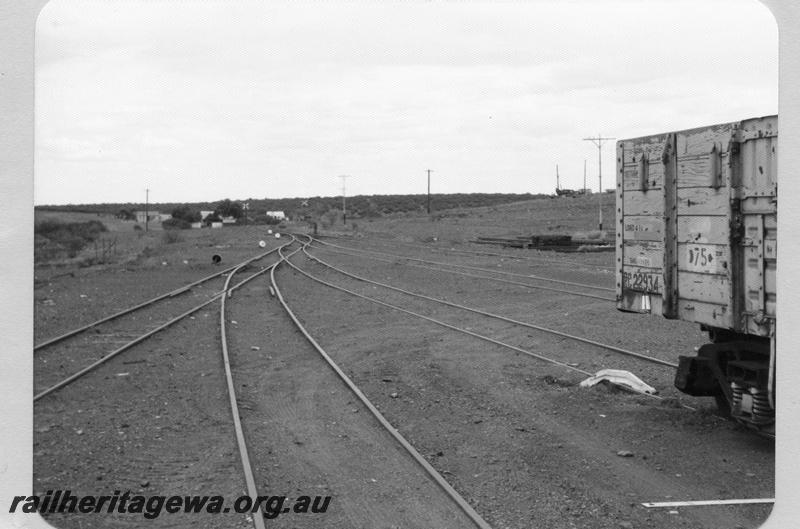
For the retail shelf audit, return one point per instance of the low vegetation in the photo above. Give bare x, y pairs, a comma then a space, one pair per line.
358, 206
54, 239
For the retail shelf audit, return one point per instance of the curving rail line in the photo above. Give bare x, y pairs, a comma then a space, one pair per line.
427, 467
503, 272
170, 294
258, 521
75, 376
561, 334
495, 254
467, 274
458, 329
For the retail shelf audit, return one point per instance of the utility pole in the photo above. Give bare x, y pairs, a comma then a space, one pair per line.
584, 176
558, 183
429, 190
598, 141
146, 201
344, 178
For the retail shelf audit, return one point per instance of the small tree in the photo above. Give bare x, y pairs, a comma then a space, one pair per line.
187, 214
214, 217
126, 214
176, 224
226, 208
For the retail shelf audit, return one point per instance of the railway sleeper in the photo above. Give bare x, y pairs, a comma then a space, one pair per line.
736, 373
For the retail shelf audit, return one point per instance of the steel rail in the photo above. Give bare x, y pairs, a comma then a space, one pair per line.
459, 329
75, 376
528, 276
611, 348
434, 475
252, 490
467, 274
125, 347
123, 312
495, 254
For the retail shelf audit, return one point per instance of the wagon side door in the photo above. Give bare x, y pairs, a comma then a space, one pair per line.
703, 262
755, 223
640, 224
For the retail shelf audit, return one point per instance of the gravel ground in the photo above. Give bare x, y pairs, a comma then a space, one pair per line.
518, 438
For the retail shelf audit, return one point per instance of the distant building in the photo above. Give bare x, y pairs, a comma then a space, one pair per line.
280, 215
216, 224
197, 225
149, 216
205, 213
229, 220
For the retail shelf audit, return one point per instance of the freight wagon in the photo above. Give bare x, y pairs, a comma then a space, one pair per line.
696, 241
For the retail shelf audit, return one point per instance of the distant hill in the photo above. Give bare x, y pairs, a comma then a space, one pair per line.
357, 206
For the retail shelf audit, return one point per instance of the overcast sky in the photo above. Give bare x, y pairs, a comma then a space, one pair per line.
201, 100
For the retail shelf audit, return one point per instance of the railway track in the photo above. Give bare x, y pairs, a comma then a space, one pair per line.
429, 470
475, 276
250, 413
608, 347
101, 356
594, 343
614, 349
431, 352
370, 253
168, 295
484, 337
533, 258
247, 462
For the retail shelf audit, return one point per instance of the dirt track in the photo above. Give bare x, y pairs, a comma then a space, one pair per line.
516, 437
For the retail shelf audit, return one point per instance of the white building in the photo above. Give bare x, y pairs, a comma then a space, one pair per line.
280, 215
149, 216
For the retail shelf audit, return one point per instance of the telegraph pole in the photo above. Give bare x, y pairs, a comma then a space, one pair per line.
429, 190
344, 178
558, 184
598, 141
146, 201
584, 176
